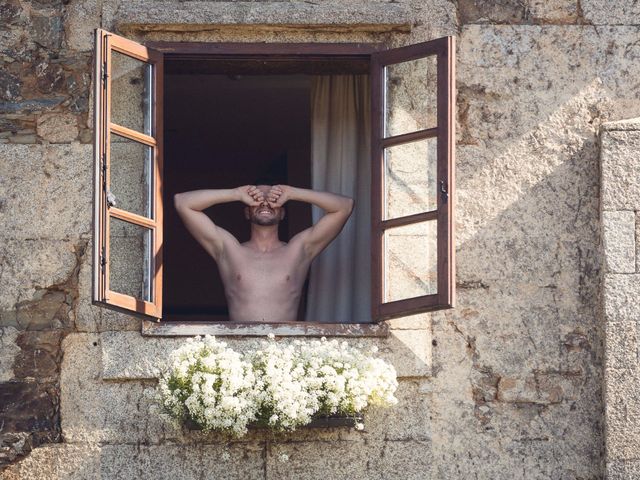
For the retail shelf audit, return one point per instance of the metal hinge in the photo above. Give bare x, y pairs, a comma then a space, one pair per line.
104, 172
103, 258
105, 75
443, 191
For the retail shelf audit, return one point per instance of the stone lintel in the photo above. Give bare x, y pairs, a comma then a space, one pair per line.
147, 15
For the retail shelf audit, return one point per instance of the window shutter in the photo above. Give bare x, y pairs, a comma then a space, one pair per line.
413, 108
127, 267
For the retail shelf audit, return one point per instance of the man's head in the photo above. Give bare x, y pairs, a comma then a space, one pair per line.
264, 214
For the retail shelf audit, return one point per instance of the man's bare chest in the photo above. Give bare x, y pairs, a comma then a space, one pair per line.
250, 268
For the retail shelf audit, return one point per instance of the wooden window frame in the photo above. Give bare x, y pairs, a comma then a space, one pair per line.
103, 212
444, 51
350, 52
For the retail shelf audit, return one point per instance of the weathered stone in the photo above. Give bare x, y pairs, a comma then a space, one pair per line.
637, 238
344, 459
235, 461
603, 12
542, 388
8, 352
58, 462
622, 344
80, 18
623, 470
31, 105
53, 200
30, 267
9, 86
619, 240
92, 411
27, 406
399, 459
622, 413
11, 12
57, 128
621, 297
556, 11
50, 76
40, 354
206, 15
47, 29
22, 139
620, 166
481, 11
410, 419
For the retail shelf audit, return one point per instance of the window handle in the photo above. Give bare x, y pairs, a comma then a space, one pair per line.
111, 199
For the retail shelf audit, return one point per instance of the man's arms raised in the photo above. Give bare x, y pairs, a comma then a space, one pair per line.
189, 206
337, 211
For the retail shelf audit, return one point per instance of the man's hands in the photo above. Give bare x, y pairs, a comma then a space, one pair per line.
278, 195
253, 196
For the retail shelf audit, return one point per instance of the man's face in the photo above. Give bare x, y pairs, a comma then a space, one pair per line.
264, 214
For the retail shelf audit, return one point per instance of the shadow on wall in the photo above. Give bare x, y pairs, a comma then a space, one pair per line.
528, 272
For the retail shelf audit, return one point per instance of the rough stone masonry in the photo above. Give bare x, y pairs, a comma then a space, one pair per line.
510, 384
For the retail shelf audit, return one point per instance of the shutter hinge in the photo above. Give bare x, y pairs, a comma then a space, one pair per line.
105, 75
443, 192
103, 259
104, 172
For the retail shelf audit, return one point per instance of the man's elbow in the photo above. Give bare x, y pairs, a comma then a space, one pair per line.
179, 202
350, 203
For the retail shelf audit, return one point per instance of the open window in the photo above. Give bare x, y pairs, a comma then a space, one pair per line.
128, 176
411, 165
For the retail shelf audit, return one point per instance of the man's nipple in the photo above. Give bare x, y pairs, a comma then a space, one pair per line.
288, 277
238, 277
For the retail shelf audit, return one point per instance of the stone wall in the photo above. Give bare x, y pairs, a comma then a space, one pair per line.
507, 385
620, 203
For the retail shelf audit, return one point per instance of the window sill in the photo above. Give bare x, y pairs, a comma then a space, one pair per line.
308, 329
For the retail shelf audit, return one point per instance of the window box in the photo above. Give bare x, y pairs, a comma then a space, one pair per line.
330, 421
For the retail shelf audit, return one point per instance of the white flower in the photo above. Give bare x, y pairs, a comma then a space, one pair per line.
278, 384
283, 457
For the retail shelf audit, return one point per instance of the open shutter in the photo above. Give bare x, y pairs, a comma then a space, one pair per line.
128, 176
413, 107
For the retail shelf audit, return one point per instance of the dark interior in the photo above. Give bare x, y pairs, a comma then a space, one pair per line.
223, 131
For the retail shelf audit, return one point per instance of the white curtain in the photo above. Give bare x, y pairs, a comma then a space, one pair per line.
340, 278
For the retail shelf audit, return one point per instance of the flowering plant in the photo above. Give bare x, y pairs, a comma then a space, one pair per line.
276, 385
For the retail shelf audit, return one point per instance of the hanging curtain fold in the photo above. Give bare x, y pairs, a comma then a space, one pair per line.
340, 277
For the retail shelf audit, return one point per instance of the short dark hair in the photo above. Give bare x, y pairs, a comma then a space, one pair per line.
269, 180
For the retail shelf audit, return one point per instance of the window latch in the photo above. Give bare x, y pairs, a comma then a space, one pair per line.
111, 199
443, 192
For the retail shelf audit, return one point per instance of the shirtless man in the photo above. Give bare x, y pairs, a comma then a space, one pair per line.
263, 277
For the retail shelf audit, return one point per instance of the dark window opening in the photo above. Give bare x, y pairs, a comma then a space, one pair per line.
223, 130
